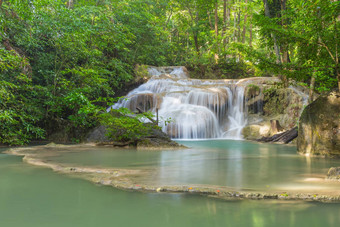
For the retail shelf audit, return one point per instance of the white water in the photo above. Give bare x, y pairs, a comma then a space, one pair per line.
196, 109
236, 113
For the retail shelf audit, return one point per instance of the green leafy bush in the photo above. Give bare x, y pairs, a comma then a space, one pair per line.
124, 126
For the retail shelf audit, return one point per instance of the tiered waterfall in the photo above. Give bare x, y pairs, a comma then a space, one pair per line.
191, 108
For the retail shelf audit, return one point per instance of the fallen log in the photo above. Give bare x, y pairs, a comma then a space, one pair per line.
283, 137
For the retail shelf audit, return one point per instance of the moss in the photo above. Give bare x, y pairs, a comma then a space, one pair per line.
252, 91
253, 87
249, 133
320, 126
275, 101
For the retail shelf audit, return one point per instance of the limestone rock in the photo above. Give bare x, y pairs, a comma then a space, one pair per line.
254, 97
283, 104
256, 131
319, 127
272, 109
157, 139
97, 135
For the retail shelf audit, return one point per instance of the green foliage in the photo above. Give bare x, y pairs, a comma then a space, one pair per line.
78, 58
62, 61
141, 71
253, 88
306, 33
124, 126
18, 117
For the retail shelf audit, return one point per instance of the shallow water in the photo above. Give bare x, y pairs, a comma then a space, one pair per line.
33, 197
238, 164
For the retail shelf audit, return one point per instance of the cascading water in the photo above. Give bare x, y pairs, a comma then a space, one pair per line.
194, 109
236, 113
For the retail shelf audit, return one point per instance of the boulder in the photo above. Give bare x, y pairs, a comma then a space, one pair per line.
97, 135
156, 139
319, 127
283, 104
256, 131
272, 109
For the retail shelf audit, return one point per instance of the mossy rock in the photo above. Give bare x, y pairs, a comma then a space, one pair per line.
252, 90
256, 131
334, 173
319, 127
157, 143
283, 102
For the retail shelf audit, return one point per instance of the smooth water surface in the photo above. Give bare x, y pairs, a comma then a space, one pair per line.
238, 164
37, 197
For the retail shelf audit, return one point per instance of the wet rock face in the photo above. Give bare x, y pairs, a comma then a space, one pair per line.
254, 97
319, 127
267, 104
284, 103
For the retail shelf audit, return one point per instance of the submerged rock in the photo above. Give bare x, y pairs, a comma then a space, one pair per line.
334, 173
319, 127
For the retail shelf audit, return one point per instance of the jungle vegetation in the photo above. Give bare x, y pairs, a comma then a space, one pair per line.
63, 61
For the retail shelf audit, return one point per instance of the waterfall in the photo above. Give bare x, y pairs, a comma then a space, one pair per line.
191, 108
236, 113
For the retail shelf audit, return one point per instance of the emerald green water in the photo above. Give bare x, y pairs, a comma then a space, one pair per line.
238, 164
33, 196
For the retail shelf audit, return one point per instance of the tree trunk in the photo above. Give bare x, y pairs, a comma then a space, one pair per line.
216, 19
228, 21
228, 15
235, 22
195, 34
224, 29
70, 4
337, 72
216, 32
238, 24
311, 88
196, 44
276, 47
251, 31
244, 24
210, 23
284, 137
336, 20
275, 127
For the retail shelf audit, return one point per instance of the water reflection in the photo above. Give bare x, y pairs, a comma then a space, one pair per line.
238, 164
33, 197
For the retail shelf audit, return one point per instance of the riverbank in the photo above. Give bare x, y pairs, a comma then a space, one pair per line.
132, 179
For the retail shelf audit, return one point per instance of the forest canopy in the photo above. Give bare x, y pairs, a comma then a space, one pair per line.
62, 61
